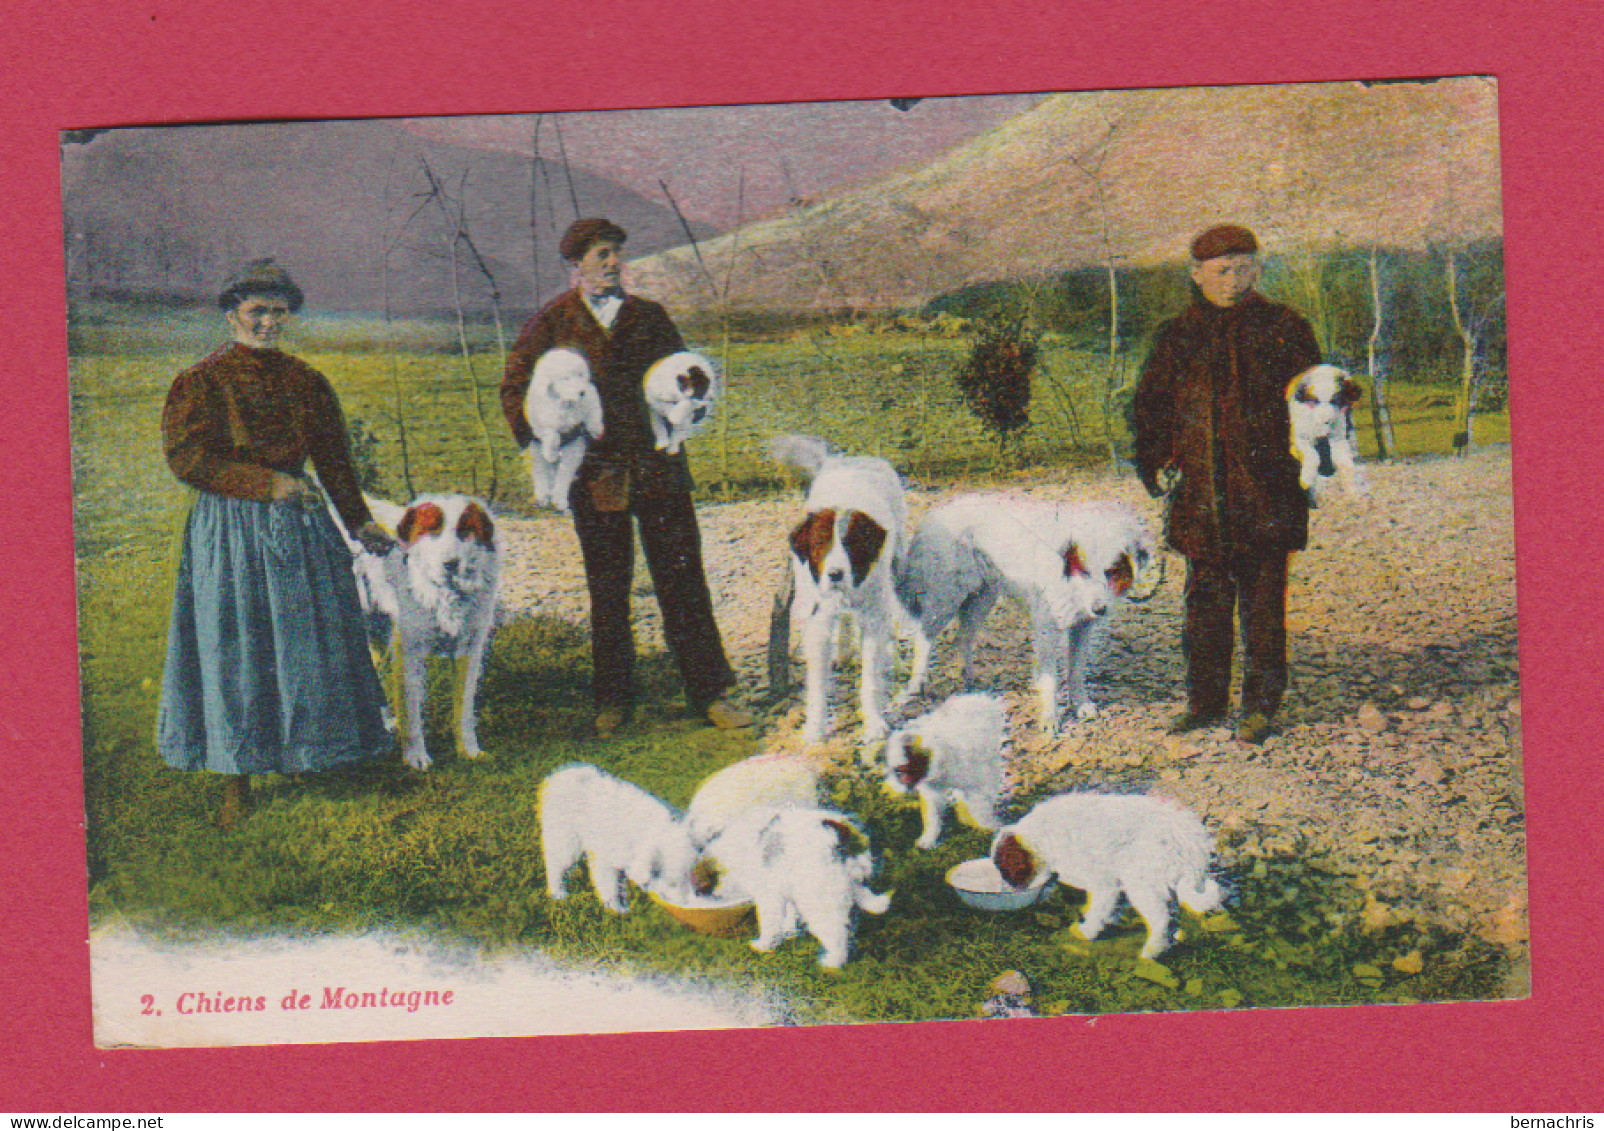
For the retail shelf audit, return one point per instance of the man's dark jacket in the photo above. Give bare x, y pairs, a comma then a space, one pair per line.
1211, 402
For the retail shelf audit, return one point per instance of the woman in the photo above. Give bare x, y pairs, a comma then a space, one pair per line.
268, 669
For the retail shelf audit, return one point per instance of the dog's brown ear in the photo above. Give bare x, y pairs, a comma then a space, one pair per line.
705, 876
862, 541
1072, 561
696, 382
1350, 393
915, 763
848, 840
1014, 862
1121, 575
810, 541
477, 524
420, 521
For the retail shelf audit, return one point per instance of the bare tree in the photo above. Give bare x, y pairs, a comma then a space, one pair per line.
458, 245
1092, 163
1471, 319
1380, 411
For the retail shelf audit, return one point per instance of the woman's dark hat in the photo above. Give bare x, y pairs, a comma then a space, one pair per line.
260, 277
1224, 239
582, 233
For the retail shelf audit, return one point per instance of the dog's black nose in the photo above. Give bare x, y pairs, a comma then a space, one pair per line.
837, 574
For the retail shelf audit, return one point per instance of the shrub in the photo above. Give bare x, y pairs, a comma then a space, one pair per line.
994, 380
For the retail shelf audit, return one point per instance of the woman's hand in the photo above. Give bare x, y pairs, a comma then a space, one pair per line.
375, 540
292, 489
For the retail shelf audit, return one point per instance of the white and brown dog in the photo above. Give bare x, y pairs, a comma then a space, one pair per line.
803, 868
680, 390
1150, 850
843, 557
1321, 400
565, 413
435, 594
621, 831
950, 754
1068, 565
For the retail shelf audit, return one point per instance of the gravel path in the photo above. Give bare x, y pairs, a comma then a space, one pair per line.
1399, 757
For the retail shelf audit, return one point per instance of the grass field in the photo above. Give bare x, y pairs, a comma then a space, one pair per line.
457, 850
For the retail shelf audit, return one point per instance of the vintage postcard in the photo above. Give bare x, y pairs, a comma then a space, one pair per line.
911, 559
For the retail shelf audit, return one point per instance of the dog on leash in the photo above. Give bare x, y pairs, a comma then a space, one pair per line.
954, 752
435, 594
565, 413
1068, 565
777, 781
680, 391
844, 554
618, 829
1321, 400
805, 869
1151, 851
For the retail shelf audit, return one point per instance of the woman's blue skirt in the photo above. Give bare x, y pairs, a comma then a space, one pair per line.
268, 668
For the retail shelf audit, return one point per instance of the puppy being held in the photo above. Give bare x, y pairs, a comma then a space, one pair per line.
435, 594
952, 753
1152, 851
1320, 401
565, 413
680, 390
621, 831
803, 868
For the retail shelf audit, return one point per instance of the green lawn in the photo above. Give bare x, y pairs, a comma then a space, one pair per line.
457, 850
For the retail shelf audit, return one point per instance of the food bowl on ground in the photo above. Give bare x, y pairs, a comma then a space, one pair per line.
978, 883
707, 915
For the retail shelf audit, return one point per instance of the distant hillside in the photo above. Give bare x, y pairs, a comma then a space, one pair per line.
1314, 165
169, 211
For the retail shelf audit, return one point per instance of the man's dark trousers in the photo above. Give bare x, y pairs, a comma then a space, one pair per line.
1256, 582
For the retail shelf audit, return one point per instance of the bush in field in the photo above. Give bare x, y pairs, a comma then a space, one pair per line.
994, 380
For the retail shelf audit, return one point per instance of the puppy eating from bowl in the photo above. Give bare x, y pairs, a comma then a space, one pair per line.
1151, 851
952, 753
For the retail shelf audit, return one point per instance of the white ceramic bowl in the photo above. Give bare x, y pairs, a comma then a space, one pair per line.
978, 883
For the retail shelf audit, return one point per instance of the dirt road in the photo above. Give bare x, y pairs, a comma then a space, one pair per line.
1399, 756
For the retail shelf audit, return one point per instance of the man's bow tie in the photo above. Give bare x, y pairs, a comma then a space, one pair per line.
611, 292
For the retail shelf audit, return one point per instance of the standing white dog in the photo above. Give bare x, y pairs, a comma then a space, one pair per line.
844, 555
435, 594
681, 390
1321, 400
565, 414
954, 752
620, 830
1069, 565
804, 869
1150, 850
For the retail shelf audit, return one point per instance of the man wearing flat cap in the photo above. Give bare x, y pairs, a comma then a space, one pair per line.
625, 481
1211, 405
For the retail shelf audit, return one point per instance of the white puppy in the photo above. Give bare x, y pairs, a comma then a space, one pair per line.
803, 868
435, 594
619, 829
777, 781
954, 752
843, 558
565, 413
1150, 850
1321, 400
681, 390
1069, 565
